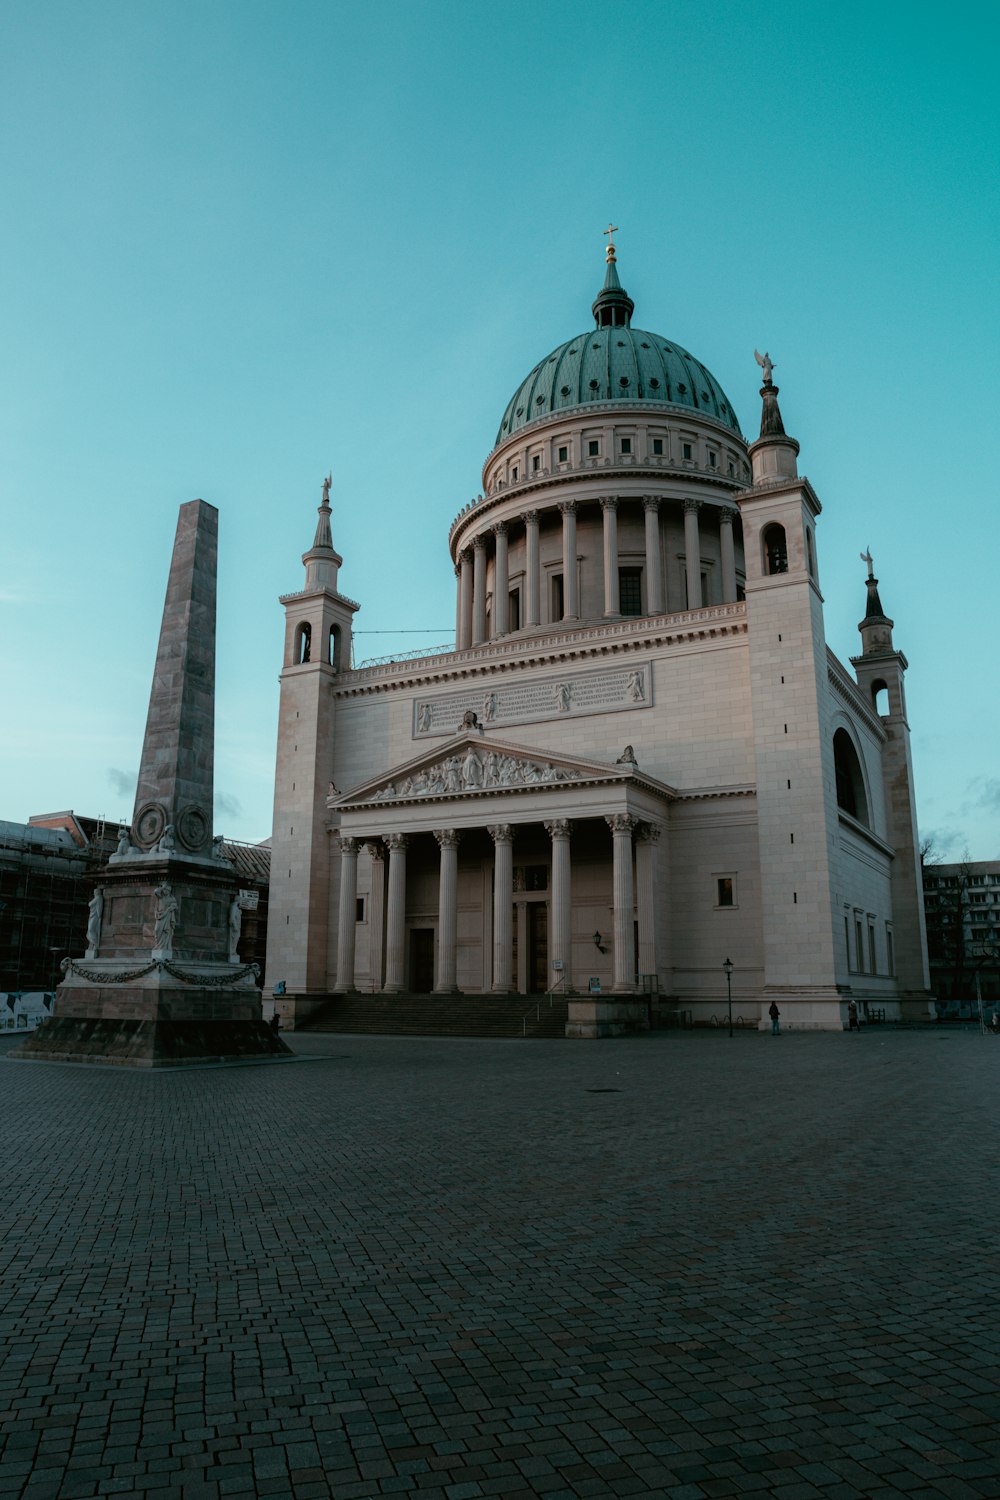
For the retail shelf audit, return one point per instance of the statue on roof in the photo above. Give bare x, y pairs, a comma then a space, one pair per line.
766, 364
866, 557
327, 482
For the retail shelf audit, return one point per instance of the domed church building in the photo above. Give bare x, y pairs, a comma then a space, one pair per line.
641, 779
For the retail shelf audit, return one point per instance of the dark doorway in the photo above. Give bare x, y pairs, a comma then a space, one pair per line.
421, 960
538, 947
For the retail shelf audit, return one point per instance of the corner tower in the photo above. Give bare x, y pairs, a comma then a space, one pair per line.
880, 670
796, 786
317, 648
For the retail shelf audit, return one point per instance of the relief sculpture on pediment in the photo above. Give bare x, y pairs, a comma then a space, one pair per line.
472, 772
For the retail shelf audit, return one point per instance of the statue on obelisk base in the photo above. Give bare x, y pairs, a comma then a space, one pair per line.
161, 983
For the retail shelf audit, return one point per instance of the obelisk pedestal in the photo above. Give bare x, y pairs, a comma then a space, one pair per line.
161, 984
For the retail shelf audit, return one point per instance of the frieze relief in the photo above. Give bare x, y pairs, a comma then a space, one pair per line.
472, 770
497, 704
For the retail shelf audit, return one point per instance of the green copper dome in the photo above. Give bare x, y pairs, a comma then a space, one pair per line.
616, 362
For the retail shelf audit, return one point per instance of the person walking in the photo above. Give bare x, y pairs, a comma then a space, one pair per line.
775, 1015
852, 1017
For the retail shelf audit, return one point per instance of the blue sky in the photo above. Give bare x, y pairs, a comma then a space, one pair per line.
245, 243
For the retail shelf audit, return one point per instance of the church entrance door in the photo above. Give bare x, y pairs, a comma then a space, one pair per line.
538, 946
421, 960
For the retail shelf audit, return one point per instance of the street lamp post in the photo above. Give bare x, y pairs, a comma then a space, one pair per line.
728, 967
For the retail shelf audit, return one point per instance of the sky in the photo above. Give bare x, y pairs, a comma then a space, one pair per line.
245, 243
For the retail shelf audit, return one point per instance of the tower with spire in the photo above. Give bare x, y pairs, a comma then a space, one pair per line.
880, 670
317, 649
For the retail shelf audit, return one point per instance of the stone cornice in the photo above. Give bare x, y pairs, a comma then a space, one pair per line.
853, 696
767, 489
521, 651
316, 594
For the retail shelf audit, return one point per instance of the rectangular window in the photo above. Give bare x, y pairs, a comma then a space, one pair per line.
686, 450
593, 447
626, 445
536, 464
890, 956
359, 909
556, 596
514, 609
860, 965
564, 455
513, 472
630, 591
657, 446
725, 892
847, 944
711, 459
872, 963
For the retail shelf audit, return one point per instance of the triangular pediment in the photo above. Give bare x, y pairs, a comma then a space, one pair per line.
473, 765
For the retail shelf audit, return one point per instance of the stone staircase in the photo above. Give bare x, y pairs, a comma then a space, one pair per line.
439, 1015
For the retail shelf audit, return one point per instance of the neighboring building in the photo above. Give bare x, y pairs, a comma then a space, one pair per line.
48, 867
962, 905
640, 760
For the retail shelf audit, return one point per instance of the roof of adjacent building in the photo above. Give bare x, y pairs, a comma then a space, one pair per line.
616, 363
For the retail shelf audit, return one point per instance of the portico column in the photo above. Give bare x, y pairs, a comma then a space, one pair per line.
728, 551
479, 591
501, 584
612, 603
621, 825
445, 978
465, 602
376, 912
654, 563
395, 942
346, 927
532, 610
647, 837
692, 552
559, 831
571, 603
503, 898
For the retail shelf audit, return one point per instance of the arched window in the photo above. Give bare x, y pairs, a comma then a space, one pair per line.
851, 796
303, 643
333, 647
775, 549
880, 698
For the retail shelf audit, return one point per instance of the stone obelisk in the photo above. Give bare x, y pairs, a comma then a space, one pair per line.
160, 984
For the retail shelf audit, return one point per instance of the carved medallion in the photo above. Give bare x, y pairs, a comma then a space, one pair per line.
148, 824
192, 828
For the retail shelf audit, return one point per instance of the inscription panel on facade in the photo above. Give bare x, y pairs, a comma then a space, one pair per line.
547, 698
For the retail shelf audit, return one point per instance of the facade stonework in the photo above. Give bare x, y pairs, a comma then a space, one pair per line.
639, 761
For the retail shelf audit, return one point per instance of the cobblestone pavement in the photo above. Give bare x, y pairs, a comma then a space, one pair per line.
680, 1266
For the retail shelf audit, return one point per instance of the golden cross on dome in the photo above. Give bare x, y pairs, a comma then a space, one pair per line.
611, 229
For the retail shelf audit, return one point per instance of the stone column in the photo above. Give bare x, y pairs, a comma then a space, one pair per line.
532, 604
376, 912
612, 603
692, 550
458, 606
571, 603
479, 591
347, 926
395, 943
561, 941
621, 825
654, 562
647, 838
503, 897
726, 518
501, 583
445, 978
465, 601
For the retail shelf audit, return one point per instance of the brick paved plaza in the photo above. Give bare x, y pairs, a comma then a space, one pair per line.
680, 1266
